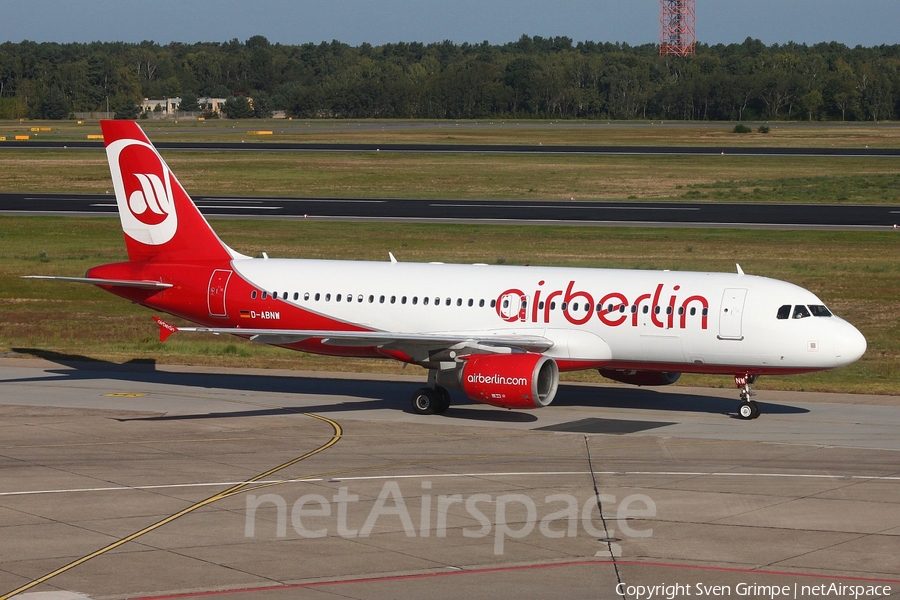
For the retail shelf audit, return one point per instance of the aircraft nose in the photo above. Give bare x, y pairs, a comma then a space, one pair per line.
849, 345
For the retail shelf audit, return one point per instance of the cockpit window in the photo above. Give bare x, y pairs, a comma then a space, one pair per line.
800, 312
784, 312
819, 311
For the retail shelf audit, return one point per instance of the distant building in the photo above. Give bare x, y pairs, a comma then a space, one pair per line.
167, 106
211, 104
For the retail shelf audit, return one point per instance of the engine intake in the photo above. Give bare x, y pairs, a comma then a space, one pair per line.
641, 377
525, 380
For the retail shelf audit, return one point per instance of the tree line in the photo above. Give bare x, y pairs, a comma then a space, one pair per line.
533, 77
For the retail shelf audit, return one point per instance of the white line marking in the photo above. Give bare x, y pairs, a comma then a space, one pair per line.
317, 200
230, 206
457, 475
566, 206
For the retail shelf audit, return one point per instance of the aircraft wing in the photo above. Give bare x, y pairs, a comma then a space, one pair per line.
147, 285
419, 346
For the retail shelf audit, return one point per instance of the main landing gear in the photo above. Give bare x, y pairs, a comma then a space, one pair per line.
430, 400
748, 408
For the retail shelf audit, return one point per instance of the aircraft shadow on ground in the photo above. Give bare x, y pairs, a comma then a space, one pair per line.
364, 394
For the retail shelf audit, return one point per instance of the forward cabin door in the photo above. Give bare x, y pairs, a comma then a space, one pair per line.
218, 283
731, 314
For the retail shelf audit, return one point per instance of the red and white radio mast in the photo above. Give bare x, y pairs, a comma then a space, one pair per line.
676, 37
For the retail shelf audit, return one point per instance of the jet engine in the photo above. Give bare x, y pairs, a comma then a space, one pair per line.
640, 377
526, 380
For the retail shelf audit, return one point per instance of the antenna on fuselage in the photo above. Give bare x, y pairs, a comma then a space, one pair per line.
739, 269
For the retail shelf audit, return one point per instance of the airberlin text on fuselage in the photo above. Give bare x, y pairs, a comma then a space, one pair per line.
666, 308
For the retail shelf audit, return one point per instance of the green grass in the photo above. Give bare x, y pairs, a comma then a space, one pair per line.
474, 176
854, 273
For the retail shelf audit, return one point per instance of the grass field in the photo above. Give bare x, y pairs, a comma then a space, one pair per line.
478, 176
854, 273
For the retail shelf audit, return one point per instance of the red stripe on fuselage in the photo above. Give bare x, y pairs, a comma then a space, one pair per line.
188, 299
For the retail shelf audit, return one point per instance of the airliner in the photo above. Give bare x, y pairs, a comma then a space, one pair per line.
500, 334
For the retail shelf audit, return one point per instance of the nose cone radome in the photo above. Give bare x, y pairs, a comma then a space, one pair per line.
849, 345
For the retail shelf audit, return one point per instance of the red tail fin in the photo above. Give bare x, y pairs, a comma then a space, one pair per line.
159, 219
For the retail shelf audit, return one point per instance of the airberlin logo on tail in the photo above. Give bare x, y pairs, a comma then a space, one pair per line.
150, 204
143, 187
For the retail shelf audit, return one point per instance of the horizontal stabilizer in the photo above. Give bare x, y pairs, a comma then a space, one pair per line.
147, 285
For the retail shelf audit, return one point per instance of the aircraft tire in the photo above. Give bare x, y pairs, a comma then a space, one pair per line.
424, 401
756, 410
747, 412
443, 402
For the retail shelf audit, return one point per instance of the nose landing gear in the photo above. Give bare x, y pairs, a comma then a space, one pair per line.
748, 408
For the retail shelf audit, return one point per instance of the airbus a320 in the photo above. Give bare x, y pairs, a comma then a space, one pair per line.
500, 334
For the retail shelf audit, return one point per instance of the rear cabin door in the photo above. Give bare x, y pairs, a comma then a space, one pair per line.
731, 314
218, 283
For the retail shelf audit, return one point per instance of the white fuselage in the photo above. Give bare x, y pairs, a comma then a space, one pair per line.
693, 322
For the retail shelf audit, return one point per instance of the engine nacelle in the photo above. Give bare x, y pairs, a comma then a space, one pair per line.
641, 377
526, 380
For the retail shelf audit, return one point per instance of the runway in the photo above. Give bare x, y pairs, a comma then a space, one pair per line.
146, 481
256, 146
643, 214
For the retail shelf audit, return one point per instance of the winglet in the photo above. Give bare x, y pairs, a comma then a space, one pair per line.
165, 329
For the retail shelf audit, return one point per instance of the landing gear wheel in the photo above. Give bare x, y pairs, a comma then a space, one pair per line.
749, 410
425, 401
756, 411
443, 402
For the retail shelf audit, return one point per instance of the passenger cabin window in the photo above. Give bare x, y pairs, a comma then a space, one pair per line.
784, 312
819, 311
253, 295
801, 312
